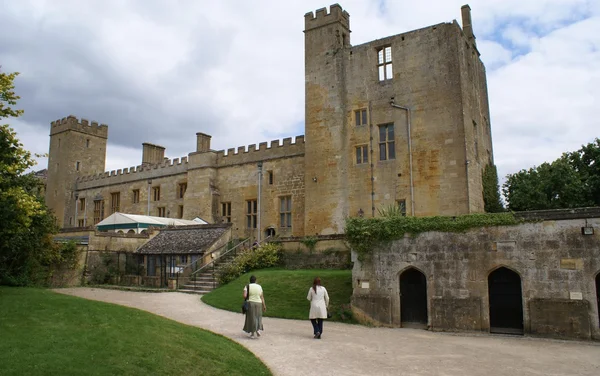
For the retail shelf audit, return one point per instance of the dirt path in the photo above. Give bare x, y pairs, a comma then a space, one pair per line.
287, 346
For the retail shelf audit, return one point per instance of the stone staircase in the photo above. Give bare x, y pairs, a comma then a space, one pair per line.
205, 280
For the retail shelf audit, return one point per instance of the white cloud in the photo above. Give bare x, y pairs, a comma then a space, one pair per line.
159, 71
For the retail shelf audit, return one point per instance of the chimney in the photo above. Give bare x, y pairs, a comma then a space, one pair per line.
202, 142
466, 23
152, 154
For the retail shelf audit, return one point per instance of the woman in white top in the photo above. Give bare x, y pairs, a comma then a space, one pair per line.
319, 301
257, 305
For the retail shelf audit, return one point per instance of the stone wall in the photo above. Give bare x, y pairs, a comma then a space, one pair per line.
557, 266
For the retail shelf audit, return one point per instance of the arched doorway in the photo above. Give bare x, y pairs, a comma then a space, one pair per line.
413, 299
506, 302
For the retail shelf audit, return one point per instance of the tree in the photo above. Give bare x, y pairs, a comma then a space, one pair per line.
491, 192
571, 181
26, 246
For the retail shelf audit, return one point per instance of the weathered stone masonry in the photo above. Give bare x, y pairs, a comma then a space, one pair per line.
557, 264
436, 141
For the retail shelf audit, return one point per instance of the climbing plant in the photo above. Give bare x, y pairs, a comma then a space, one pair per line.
364, 234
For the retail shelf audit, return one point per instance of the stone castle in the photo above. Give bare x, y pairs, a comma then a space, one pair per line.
403, 120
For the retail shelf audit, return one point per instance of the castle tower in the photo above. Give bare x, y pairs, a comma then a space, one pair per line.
76, 149
326, 37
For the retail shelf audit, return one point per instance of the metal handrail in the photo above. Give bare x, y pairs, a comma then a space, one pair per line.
216, 259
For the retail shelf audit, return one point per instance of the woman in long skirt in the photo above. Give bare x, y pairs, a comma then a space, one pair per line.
254, 294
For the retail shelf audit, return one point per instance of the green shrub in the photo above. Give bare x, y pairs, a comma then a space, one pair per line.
266, 256
310, 242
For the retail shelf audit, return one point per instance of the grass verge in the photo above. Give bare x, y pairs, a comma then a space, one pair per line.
285, 292
45, 333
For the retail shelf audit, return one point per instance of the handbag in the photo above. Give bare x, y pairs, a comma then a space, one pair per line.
246, 305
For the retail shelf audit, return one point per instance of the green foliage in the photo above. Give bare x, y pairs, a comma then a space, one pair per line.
586, 162
555, 185
45, 333
68, 256
285, 292
491, 190
265, 256
364, 234
26, 247
310, 242
392, 211
106, 270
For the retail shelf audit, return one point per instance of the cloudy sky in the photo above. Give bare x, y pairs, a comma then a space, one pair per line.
160, 71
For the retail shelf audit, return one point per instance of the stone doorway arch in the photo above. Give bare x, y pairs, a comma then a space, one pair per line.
413, 299
506, 301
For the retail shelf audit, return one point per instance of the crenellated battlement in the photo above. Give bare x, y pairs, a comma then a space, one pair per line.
322, 18
250, 153
72, 123
165, 168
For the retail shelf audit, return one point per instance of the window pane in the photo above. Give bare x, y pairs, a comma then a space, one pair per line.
289, 204
382, 133
390, 129
248, 221
357, 117
289, 219
249, 207
388, 54
392, 150
255, 206
365, 156
381, 73
364, 117
382, 156
389, 74
358, 158
380, 56
281, 220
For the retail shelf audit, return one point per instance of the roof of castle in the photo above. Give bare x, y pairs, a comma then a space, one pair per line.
184, 240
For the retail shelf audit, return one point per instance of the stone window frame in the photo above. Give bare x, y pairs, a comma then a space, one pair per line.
360, 117
77, 165
226, 211
285, 211
251, 213
162, 211
361, 154
135, 199
115, 202
180, 211
385, 70
98, 211
81, 204
156, 193
81, 223
270, 176
181, 189
402, 205
387, 142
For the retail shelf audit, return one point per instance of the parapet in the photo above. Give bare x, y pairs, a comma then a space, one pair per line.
251, 154
322, 18
72, 123
142, 172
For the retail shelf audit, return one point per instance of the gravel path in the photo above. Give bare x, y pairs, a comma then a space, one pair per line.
287, 346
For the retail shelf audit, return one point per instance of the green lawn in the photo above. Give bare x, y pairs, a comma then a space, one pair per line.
285, 292
45, 333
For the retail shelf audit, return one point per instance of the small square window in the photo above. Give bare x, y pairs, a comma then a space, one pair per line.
360, 117
362, 154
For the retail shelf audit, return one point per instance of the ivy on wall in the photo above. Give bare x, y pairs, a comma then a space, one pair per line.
491, 190
364, 234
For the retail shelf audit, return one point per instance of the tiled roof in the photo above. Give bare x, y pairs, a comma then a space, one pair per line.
184, 239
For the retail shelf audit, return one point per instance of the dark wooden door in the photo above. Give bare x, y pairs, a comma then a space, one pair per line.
506, 302
413, 297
